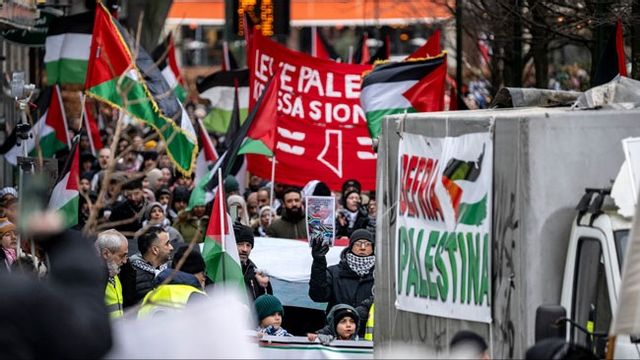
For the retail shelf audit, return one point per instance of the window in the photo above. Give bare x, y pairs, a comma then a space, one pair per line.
591, 307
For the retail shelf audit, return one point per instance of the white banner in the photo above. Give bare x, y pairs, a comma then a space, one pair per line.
279, 347
443, 233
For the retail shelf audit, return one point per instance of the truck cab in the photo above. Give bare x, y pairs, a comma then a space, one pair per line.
592, 274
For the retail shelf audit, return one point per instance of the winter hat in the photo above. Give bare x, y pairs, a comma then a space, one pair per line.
351, 183
468, 338
321, 190
231, 184
342, 313
154, 175
163, 191
243, 233
87, 175
346, 194
8, 191
6, 226
147, 212
180, 193
361, 234
193, 263
267, 305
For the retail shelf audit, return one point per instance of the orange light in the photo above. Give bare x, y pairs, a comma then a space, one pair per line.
404, 37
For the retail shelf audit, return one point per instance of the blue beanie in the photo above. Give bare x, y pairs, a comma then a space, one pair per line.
267, 305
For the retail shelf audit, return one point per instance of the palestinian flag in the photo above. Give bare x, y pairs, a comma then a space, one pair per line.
430, 48
91, 127
219, 89
220, 252
612, 60
411, 86
49, 132
206, 156
256, 135
65, 196
67, 48
136, 86
165, 57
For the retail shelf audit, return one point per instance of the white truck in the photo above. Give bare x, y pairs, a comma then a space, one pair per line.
555, 235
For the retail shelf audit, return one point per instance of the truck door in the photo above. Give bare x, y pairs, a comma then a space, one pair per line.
591, 303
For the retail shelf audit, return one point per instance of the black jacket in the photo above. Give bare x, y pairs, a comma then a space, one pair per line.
338, 284
362, 222
253, 288
63, 316
131, 218
145, 273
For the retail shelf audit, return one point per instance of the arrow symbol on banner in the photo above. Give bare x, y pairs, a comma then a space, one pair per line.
326, 160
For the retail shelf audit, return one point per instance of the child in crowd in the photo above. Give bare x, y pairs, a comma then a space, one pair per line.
270, 314
342, 324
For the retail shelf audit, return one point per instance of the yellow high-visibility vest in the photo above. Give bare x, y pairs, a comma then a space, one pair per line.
368, 335
170, 296
113, 298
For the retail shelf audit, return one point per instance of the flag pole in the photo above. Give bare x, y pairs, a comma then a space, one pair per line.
225, 55
273, 181
223, 219
350, 55
314, 46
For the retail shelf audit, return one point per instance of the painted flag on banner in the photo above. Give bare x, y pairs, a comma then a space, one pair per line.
165, 57
431, 48
219, 88
409, 86
65, 196
612, 60
136, 86
220, 252
49, 131
91, 127
67, 48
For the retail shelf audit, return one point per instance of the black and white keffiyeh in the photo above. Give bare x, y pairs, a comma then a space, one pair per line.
361, 265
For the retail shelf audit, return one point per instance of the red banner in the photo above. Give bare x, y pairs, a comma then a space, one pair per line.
322, 130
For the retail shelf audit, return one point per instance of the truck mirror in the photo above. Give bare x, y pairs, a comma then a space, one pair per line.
547, 324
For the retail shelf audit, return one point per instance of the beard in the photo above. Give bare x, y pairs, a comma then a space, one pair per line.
113, 268
293, 215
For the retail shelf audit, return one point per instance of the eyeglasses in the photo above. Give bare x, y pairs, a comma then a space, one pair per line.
363, 243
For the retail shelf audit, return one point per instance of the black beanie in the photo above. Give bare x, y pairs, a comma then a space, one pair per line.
361, 234
321, 189
193, 264
343, 313
243, 233
346, 194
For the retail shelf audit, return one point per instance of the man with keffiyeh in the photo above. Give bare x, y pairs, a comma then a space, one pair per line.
351, 280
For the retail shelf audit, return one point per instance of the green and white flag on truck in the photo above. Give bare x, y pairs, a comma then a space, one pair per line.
65, 197
67, 48
220, 252
443, 231
415, 85
219, 89
49, 131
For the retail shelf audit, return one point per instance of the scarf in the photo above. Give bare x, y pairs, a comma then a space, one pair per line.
361, 265
351, 217
270, 330
143, 265
11, 255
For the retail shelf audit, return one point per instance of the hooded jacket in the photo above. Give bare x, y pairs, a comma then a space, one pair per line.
330, 328
338, 284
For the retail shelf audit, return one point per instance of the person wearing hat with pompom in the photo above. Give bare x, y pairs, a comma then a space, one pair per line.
270, 315
348, 282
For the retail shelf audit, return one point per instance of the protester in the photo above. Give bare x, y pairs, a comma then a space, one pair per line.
104, 156
468, 344
63, 315
252, 206
353, 216
155, 250
263, 197
292, 224
256, 281
265, 218
175, 289
342, 324
192, 223
9, 242
154, 215
270, 315
113, 247
238, 209
127, 215
180, 199
350, 281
